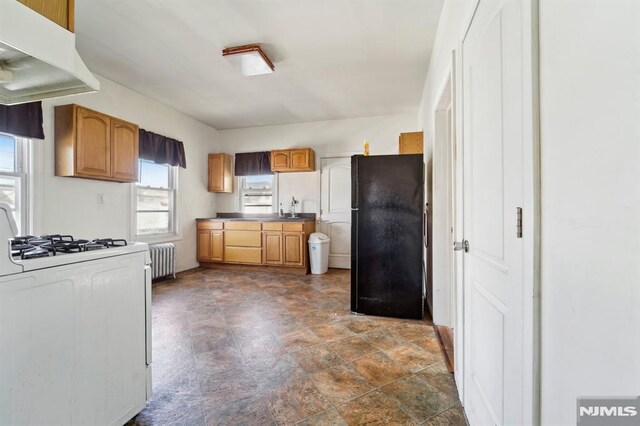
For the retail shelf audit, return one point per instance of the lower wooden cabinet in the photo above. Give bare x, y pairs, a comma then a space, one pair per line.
272, 248
204, 245
243, 245
254, 243
217, 246
246, 255
243, 238
210, 245
293, 248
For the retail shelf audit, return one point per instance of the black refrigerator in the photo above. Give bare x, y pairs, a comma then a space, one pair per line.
387, 199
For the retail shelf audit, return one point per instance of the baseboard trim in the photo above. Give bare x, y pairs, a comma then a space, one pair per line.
256, 268
445, 336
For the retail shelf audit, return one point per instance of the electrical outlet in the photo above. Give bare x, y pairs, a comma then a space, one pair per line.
100, 198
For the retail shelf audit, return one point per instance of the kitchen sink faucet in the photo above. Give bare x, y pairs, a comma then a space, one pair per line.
293, 206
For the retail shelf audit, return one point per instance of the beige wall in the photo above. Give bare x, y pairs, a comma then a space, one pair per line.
590, 168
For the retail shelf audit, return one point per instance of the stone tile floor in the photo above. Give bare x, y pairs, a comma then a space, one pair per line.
256, 348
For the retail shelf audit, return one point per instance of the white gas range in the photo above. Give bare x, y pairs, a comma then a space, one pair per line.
75, 329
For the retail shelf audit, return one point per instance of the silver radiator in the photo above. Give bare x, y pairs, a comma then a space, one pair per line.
163, 260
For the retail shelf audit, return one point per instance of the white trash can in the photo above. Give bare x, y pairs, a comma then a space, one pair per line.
319, 252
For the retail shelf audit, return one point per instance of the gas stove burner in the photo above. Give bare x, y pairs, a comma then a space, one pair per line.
56, 237
108, 242
38, 241
114, 243
18, 248
43, 250
92, 245
73, 246
22, 239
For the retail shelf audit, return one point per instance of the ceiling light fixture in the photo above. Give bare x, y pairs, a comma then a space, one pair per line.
251, 58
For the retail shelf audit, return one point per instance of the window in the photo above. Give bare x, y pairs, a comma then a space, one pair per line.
13, 177
256, 194
156, 199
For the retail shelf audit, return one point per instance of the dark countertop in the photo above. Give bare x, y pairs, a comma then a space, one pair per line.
260, 218
257, 219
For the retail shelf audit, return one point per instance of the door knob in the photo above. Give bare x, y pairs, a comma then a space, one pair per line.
464, 245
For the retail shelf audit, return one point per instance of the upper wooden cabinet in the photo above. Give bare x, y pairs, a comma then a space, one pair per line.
93, 145
59, 11
220, 177
411, 143
280, 160
293, 160
300, 159
124, 150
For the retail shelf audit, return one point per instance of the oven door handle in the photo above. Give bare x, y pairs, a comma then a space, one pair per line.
147, 306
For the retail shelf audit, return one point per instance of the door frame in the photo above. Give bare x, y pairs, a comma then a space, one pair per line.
531, 221
444, 140
450, 98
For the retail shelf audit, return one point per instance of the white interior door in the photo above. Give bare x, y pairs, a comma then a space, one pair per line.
335, 209
493, 134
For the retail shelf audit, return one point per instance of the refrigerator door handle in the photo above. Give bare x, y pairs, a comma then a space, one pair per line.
425, 225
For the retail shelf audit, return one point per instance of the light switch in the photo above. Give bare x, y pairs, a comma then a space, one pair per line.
100, 198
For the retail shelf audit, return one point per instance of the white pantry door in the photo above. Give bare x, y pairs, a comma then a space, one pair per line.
493, 129
335, 209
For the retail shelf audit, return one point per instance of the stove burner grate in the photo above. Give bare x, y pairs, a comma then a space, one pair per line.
36, 251
74, 246
31, 247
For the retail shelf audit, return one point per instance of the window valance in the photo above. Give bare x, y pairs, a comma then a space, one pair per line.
23, 120
161, 149
253, 163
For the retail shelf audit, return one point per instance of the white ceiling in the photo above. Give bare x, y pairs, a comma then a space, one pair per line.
334, 58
